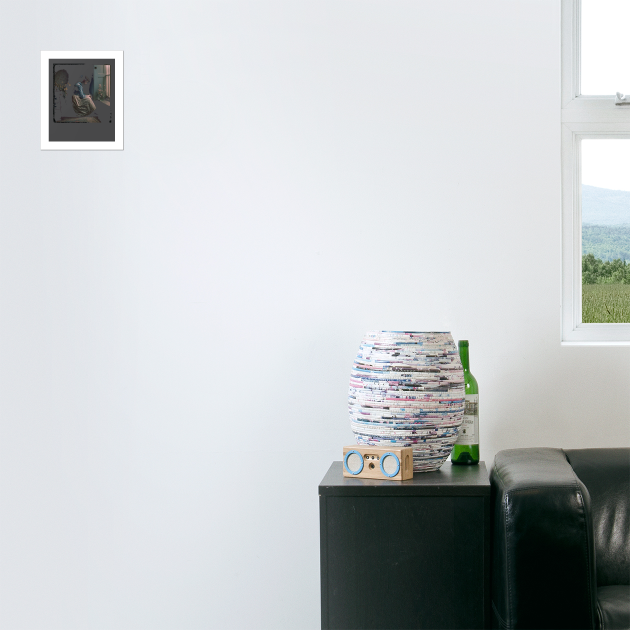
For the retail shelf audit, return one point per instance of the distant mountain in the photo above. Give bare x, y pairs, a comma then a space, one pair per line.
601, 206
606, 242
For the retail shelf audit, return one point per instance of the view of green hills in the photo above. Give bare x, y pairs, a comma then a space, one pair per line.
607, 242
605, 255
605, 223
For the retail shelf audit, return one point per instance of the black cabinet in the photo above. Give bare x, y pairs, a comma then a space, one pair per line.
406, 554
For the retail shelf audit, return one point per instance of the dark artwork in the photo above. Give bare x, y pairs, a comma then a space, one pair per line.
82, 100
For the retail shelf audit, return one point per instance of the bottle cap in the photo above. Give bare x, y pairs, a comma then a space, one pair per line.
463, 342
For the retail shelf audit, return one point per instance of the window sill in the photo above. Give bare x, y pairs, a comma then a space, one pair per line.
598, 335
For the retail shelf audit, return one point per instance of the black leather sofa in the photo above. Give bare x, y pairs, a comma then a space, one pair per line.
561, 540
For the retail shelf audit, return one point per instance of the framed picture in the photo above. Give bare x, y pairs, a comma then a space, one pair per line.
82, 100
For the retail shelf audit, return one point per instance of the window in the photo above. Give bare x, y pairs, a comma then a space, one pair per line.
595, 168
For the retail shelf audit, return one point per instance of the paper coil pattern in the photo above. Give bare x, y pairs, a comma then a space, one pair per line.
407, 389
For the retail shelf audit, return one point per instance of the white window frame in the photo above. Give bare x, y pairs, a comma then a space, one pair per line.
582, 117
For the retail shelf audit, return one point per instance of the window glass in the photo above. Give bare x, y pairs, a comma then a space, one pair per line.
605, 57
605, 231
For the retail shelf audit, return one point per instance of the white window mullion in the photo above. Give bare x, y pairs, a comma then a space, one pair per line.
596, 109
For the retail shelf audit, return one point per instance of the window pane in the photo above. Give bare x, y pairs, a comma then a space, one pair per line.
605, 49
605, 231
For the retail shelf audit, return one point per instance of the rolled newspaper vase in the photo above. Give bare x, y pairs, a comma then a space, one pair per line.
407, 389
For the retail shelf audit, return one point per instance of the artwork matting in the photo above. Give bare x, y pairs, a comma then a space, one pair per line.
82, 100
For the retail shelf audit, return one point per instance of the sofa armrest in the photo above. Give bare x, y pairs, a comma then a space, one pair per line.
543, 565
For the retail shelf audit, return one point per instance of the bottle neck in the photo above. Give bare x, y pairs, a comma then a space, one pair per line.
463, 354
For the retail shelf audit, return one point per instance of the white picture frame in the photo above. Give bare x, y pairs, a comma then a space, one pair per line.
109, 135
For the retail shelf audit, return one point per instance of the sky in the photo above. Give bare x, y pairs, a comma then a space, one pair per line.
606, 163
605, 51
605, 70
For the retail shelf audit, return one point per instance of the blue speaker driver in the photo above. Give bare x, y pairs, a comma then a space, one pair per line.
390, 464
353, 462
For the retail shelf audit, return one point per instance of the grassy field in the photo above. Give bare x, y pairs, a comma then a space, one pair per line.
605, 303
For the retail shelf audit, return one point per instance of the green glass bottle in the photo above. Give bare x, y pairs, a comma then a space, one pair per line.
466, 449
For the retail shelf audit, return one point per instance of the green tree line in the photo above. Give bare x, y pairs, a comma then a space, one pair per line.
597, 271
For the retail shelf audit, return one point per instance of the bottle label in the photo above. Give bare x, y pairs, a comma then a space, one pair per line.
469, 431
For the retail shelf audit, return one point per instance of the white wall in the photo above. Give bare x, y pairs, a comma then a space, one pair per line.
175, 350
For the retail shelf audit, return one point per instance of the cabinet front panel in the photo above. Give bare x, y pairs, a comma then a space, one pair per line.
404, 562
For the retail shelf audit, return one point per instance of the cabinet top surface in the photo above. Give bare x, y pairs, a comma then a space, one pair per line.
449, 480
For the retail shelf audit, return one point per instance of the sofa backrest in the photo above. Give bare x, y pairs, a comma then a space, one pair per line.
606, 474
